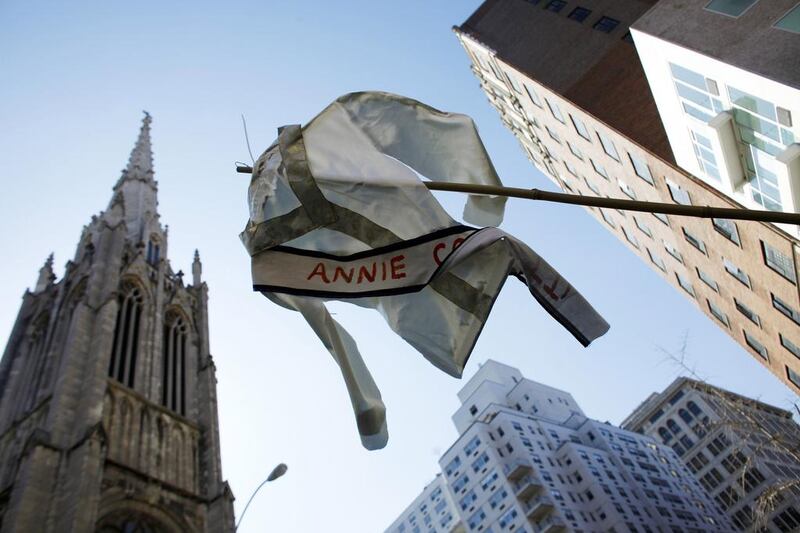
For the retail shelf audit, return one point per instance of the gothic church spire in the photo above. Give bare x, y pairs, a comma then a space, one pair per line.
137, 187
140, 163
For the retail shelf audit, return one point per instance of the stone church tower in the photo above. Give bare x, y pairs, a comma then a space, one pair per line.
108, 407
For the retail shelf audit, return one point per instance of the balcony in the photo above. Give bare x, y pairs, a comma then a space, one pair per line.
458, 527
517, 469
553, 524
538, 508
527, 487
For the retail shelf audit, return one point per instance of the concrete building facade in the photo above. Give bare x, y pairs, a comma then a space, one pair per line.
737, 447
568, 82
108, 409
528, 459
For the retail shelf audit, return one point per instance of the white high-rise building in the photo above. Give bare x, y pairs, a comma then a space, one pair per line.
528, 459
740, 449
725, 76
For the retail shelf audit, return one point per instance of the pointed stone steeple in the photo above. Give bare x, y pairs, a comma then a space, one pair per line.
46, 275
140, 163
138, 188
197, 270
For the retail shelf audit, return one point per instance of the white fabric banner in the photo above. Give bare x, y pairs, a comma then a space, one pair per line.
393, 269
337, 211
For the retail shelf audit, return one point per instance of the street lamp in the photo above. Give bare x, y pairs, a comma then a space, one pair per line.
277, 472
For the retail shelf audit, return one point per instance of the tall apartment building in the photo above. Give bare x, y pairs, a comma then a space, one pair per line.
706, 113
737, 447
108, 391
528, 459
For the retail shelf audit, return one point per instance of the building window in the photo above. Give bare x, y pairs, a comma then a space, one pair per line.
757, 347
657, 260
608, 146
705, 155
577, 153
789, 345
579, 14
513, 82
694, 241
571, 169
791, 20
679, 195
643, 227
472, 445
671, 250
708, 280
631, 238
173, 376
784, 308
779, 262
452, 465
664, 219
736, 272
695, 93
718, 314
606, 24
125, 347
555, 5
553, 135
555, 110
533, 96
685, 284
580, 127
550, 153
793, 376
727, 228
746, 311
153, 252
624, 187
591, 186
600, 169
641, 169
609, 220
732, 8
476, 519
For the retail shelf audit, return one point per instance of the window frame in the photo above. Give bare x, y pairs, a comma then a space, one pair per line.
764, 246
649, 178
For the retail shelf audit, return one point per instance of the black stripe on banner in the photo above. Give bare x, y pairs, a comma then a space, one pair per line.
375, 251
339, 295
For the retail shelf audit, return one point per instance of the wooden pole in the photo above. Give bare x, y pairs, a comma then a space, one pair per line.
704, 211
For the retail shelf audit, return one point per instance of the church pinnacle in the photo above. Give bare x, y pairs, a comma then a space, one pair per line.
140, 163
137, 188
46, 275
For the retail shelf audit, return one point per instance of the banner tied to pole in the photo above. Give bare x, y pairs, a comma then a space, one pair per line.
338, 212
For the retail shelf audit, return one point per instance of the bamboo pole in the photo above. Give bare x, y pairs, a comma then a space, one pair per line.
703, 211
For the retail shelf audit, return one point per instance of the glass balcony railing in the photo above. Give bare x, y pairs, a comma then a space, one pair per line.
516, 469
552, 524
538, 507
527, 487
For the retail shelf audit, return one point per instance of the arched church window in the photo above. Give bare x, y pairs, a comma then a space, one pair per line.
153, 251
32, 364
173, 377
125, 348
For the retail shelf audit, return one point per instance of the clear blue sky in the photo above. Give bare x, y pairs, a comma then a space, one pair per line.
75, 77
